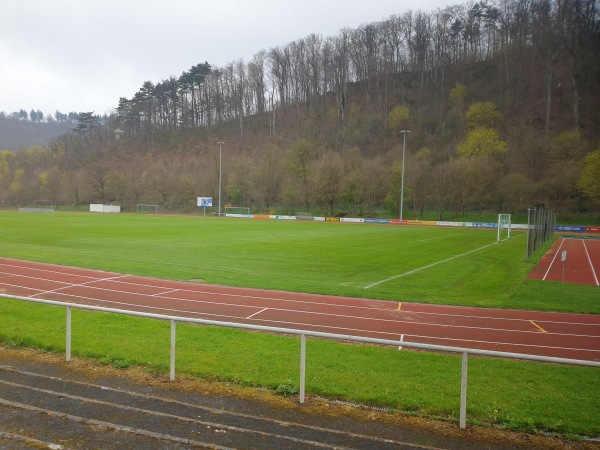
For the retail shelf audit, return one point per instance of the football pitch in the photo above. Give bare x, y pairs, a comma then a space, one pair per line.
457, 266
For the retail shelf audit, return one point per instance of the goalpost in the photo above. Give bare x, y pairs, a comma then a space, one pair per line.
503, 224
142, 208
304, 216
237, 211
39, 206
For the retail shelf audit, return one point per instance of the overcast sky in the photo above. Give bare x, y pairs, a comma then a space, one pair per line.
74, 55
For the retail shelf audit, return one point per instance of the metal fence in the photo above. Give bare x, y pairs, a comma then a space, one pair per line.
465, 352
540, 228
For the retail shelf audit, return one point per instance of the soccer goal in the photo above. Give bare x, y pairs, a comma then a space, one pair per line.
142, 208
503, 224
304, 216
237, 211
39, 206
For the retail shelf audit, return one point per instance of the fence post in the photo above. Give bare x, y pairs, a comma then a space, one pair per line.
463, 391
302, 366
528, 234
68, 343
172, 362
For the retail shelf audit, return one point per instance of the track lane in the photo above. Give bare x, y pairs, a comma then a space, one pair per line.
552, 334
580, 266
592, 251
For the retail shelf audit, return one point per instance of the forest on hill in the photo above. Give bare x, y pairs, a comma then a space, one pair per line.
493, 105
21, 129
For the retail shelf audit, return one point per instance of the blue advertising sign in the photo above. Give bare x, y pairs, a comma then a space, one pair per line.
377, 220
569, 228
484, 225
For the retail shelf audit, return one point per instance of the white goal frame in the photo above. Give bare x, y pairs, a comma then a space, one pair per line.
146, 209
237, 210
503, 222
304, 216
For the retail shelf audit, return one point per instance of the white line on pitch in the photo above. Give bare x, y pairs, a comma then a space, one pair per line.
256, 313
427, 267
590, 261
553, 259
434, 238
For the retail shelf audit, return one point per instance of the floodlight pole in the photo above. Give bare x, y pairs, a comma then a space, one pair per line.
402, 188
220, 172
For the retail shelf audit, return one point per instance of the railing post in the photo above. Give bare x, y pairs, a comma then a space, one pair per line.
68, 338
463, 391
172, 362
302, 366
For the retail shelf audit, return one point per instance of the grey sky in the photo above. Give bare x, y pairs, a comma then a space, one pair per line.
73, 55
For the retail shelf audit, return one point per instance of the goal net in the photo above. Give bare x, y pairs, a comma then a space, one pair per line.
39, 206
304, 216
142, 208
503, 227
237, 211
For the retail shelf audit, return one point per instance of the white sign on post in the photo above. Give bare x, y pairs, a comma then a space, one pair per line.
205, 201
563, 258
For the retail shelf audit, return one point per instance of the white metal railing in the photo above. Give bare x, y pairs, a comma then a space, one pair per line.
303, 334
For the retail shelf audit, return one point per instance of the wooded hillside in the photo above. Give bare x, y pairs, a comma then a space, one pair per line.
20, 131
501, 100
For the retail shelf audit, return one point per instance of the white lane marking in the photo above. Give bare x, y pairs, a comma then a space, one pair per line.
168, 291
72, 285
272, 299
553, 259
256, 313
590, 261
39, 269
275, 308
312, 313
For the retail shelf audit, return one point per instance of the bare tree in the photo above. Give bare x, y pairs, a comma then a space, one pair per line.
546, 36
328, 180
581, 25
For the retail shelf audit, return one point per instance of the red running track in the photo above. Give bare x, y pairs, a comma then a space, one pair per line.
582, 263
574, 336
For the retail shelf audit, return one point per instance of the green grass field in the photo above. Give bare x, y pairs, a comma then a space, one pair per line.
329, 258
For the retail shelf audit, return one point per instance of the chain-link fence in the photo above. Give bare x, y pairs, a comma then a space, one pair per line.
540, 228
